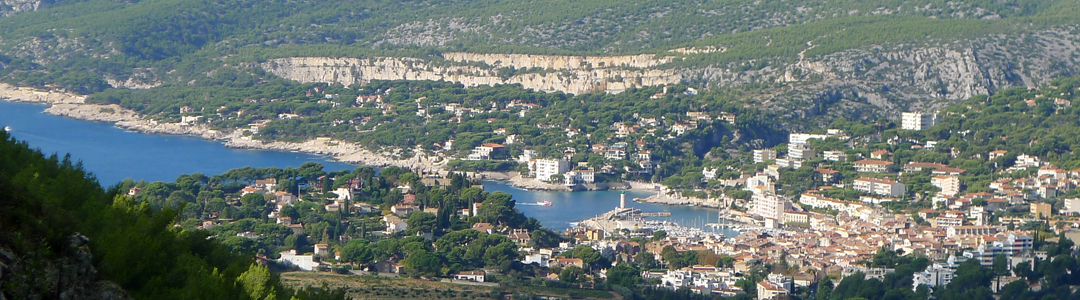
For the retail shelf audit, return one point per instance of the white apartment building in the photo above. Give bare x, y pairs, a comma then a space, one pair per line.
774, 285
764, 155
526, 156
803, 138
769, 205
1072, 206
788, 163
800, 152
873, 166
709, 173
818, 201
1027, 161
760, 183
949, 185
1012, 245
834, 156
580, 176
545, 168
884, 187
934, 275
917, 121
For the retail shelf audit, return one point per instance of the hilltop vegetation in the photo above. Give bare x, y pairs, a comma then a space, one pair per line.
78, 45
60, 232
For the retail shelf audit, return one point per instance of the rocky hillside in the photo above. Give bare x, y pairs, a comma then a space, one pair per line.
11, 7
873, 80
803, 58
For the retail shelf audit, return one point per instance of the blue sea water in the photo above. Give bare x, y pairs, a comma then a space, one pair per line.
113, 154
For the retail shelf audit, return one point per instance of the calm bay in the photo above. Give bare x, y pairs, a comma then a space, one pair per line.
113, 154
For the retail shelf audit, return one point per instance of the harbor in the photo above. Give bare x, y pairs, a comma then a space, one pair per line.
633, 222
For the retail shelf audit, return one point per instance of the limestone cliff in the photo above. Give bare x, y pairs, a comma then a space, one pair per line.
864, 82
570, 74
558, 62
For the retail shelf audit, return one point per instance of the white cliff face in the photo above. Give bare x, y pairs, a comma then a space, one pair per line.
558, 62
569, 74
26, 94
11, 7
888, 79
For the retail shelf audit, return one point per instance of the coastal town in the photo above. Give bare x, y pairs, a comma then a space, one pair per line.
813, 236
540, 150
848, 200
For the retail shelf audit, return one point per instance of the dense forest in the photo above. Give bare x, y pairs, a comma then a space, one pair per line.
51, 210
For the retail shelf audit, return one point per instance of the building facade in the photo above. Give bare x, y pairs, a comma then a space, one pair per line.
917, 121
545, 168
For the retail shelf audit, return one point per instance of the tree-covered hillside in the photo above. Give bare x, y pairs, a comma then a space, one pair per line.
62, 234
78, 44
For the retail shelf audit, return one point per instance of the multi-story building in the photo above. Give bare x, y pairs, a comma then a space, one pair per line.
949, 185
1012, 245
769, 205
948, 219
803, 138
764, 155
1040, 210
789, 163
800, 152
884, 187
817, 201
970, 230
917, 121
580, 176
486, 151
773, 286
615, 154
995, 154
934, 275
545, 168
796, 217
1072, 206
834, 156
709, 173
873, 166
827, 175
1027, 161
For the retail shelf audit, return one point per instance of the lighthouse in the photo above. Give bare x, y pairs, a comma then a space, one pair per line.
622, 200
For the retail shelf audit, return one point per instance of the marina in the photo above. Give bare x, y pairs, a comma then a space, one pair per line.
632, 221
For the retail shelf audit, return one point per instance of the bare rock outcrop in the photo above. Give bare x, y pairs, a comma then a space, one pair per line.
569, 74
12, 7
26, 94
